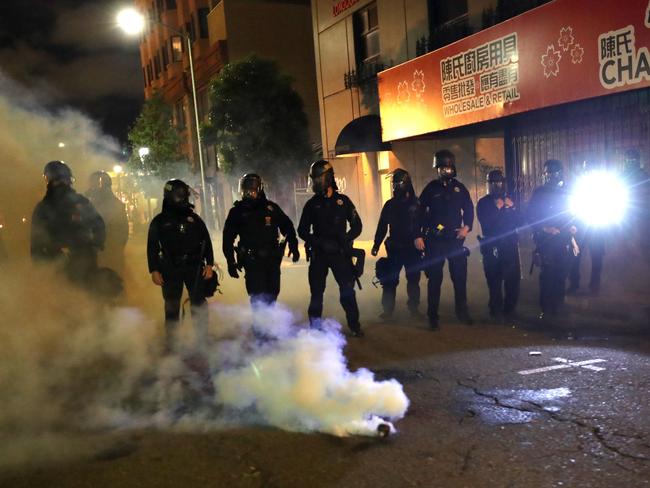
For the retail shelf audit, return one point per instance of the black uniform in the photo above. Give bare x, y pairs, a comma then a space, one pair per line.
500, 251
324, 228
443, 209
549, 207
258, 222
400, 215
65, 224
177, 237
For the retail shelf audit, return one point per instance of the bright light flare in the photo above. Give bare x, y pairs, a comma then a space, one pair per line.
599, 199
130, 21
117, 169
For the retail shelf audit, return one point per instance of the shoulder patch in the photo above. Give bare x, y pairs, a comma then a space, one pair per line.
190, 219
339, 201
270, 208
457, 189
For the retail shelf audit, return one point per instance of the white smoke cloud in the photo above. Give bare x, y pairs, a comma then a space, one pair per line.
69, 364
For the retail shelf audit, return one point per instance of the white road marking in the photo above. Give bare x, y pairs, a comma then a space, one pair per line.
567, 363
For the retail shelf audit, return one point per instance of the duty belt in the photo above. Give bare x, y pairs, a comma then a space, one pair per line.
185, 259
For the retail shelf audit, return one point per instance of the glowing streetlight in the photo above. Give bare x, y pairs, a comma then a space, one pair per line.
61, 144
117, 169
133, 22
143, 152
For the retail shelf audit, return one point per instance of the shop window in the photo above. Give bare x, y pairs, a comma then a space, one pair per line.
176, 44
366, 35
149, 74
160, 7
203, 22
144, 76
171, 4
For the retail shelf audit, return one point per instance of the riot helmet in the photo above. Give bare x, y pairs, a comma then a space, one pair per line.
177, 194
251, 186
444, 162
553, 173
632, 160
100, 181
401, 182
321, 174
496, 183
57, 172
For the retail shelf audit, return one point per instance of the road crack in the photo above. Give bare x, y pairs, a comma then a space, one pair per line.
595, 431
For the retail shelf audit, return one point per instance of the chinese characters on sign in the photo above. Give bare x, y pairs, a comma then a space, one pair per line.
480, 77
620, 62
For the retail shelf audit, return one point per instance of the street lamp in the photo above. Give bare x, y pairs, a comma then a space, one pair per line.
143, 152
133, 23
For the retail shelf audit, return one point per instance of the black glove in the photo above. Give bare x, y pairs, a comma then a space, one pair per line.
232, 270
294, 253
375, 250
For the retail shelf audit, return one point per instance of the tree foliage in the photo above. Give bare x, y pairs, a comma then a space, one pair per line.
153, 129
257, 120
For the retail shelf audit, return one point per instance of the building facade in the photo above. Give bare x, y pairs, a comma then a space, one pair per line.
223, 31
385, 59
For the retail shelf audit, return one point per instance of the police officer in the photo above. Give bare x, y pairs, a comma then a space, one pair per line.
258, 222
553, 230
112, 210
400, 216
179, 252
499, 219
446, 218
324, 228
66, 225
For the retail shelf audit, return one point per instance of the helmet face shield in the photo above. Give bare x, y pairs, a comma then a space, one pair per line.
177, 194
180, 196
401, 182
496, 183
321, 176
447, 172
553, 173
250, 187
319, 184
444, 162
554, 178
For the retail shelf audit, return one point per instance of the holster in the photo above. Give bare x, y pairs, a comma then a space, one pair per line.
358, 261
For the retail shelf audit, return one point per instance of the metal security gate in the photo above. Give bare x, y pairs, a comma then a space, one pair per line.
597, 131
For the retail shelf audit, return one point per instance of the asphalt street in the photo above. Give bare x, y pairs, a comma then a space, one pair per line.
492, 405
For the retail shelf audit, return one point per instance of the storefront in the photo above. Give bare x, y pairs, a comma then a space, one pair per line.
567, 80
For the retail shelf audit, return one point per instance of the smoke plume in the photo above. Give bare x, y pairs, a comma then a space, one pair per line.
71, 365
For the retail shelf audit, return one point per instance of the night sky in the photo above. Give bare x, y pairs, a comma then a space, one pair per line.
70, 53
